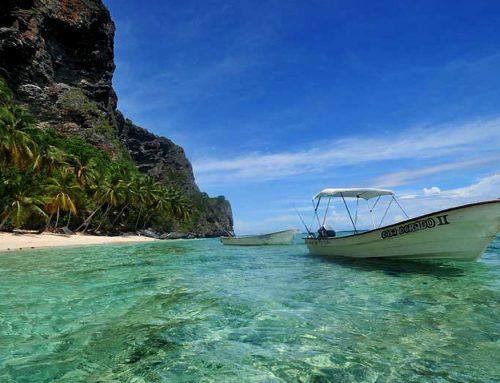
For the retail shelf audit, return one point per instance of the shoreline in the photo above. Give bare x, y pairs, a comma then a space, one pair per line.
31, 241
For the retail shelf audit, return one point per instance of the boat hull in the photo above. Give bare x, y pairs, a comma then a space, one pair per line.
278, 238
461, 233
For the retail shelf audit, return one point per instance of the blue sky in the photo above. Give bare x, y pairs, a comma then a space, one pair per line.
275, 100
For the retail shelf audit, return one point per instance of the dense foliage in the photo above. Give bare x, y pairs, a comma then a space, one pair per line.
49, 181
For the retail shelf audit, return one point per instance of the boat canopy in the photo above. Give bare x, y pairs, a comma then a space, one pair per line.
365, 193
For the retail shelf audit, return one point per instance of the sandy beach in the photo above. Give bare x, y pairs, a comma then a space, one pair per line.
26, 241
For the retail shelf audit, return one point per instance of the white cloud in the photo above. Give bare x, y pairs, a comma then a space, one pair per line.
408, 196
434, 198
488, 187
432, 191
406, 177
430, 142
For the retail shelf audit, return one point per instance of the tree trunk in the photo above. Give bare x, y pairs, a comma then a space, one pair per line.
104, 217
137, 221
69, 218
86, 222
146, 221
3, 221
118, 216
48, 222
57, 218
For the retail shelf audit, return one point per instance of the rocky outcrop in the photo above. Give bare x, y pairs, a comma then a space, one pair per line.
158, 157
57, 56
219, 218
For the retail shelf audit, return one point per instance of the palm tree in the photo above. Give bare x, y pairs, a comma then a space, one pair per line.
161, 202
16, 144
21, 207
49, 157
86, 173
143, 191
112, 192
179, 205
93, 182
169, 202
61, 194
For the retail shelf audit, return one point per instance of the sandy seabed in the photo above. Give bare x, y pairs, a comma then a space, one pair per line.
26, 241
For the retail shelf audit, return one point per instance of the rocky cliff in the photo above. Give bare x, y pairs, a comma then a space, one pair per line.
57, 56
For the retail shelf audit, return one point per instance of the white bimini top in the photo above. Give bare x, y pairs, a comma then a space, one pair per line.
365, 193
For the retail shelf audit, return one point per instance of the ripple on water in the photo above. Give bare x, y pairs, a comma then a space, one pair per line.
194, 311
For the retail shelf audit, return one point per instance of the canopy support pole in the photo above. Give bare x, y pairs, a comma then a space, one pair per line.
371, 214
371, 210
326, 211
395, 200
375, 204
357, 204
316, 211
349, 212
386, 210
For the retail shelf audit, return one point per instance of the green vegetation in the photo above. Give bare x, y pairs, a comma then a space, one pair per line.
48, 181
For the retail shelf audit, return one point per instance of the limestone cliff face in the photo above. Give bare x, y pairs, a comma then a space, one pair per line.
158, 156
57, 56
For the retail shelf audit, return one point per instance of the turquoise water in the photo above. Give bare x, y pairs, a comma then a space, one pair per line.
194, 311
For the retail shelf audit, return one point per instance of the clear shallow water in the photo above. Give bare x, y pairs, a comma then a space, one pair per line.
194, 311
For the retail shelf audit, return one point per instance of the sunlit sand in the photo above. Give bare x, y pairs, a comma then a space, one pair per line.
26, 241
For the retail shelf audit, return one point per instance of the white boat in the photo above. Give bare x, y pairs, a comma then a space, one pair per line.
461, 232
279, 238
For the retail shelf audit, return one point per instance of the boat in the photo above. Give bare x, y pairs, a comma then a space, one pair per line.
459, 233
284, 237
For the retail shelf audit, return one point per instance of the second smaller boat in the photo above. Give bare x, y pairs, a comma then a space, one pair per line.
284, 237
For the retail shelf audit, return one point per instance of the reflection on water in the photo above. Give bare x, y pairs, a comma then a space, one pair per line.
399, 268
194, 311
